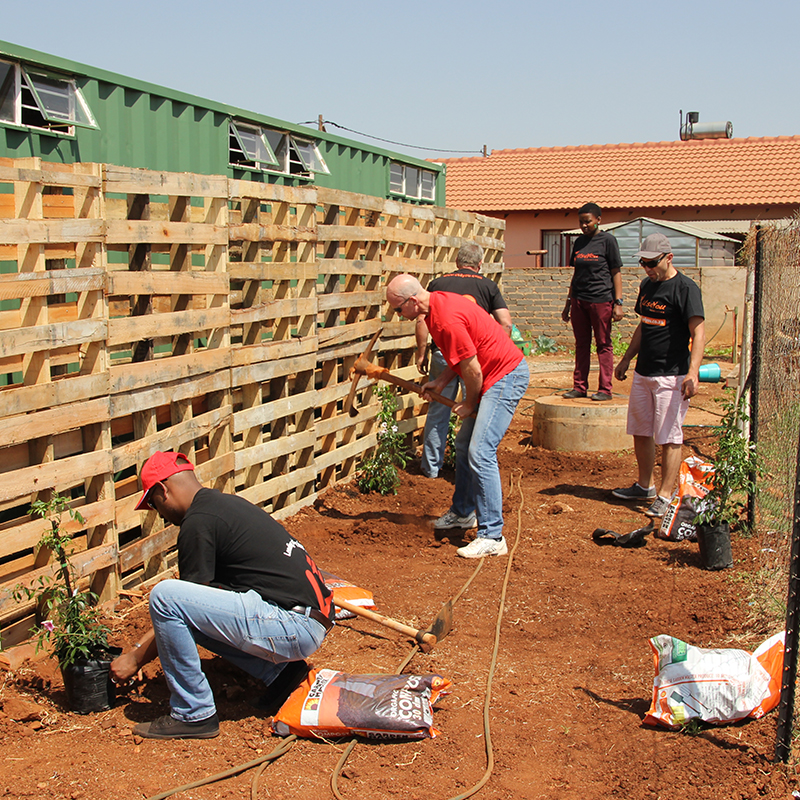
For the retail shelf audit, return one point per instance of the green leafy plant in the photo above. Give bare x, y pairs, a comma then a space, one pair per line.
71, 628
736, 467
378, 472
450, 444
545, 344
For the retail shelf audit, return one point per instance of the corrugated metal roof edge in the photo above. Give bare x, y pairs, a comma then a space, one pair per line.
682, 227
19, 52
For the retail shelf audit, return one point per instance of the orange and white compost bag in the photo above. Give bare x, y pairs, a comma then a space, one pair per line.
715, 686
349, 592
329, 704
695, 480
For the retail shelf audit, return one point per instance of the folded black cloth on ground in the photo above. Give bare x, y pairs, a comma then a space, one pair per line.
633, 539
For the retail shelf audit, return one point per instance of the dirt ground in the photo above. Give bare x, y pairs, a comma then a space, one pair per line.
573, 676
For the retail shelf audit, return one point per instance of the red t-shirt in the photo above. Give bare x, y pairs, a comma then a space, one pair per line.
461, 330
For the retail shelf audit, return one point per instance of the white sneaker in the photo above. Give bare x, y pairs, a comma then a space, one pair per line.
452, 520
480, 547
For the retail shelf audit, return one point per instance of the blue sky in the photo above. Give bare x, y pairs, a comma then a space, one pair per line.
446, 74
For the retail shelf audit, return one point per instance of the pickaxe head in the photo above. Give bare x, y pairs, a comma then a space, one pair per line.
356, 373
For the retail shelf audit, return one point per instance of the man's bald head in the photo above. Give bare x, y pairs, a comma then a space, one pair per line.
402, 287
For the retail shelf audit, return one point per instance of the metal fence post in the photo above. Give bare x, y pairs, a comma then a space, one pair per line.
783, 739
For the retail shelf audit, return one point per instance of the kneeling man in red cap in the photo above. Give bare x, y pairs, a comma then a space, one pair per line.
248, 591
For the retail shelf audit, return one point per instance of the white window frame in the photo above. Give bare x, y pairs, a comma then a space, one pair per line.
291, 155
267, 158
32, 80
15, 94
413, 182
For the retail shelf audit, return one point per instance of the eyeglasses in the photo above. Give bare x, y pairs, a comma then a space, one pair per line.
651, 264
399, 309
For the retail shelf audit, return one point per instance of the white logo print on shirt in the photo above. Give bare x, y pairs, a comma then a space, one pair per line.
290, 546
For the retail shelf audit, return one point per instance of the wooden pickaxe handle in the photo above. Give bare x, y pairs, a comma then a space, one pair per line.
383, 374
426, 640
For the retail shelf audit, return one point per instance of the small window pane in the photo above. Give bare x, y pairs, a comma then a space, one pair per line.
8, 91
412, 182
277, 141
396, 178
428, 185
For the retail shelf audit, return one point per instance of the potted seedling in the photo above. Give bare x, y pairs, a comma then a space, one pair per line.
71, 627
735, 468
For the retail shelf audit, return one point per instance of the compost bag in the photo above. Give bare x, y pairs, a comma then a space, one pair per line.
329, 704
694, 482
349, 592
715, 686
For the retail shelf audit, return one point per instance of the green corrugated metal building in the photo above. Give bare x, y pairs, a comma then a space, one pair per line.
66, 112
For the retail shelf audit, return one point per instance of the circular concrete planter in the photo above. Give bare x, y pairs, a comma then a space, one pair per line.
581, 425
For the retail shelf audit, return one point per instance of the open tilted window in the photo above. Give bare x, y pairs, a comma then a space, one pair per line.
51, 102
41, 100
268, 149
249, 147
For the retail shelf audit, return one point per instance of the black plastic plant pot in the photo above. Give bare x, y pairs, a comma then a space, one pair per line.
715, 545
88, 684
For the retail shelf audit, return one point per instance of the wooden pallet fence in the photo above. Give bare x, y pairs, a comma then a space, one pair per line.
144, 311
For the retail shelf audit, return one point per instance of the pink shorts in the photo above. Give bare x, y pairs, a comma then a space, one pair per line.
656, 408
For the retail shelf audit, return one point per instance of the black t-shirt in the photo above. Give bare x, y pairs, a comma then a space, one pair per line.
465, 281
666, 308
593, 258
227, 542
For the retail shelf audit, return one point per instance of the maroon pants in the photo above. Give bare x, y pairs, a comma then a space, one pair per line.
587, 318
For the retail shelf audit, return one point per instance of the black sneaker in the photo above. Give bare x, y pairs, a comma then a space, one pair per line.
168, 727
601, 396
635, 492
573, 394
290, 677
657, 508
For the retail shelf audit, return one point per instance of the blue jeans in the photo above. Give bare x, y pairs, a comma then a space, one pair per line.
437, 422
478, 486
250, 632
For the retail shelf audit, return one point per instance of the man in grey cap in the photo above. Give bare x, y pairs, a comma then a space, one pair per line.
667, 370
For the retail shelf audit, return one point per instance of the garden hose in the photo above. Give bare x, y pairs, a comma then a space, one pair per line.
281, 749
286, 744
493, 663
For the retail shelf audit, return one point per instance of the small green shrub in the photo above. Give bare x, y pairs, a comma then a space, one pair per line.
378, 472
736, 466
545, 345
72, 628
450, 446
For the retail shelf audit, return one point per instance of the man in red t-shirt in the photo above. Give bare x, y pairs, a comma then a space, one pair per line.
495, 377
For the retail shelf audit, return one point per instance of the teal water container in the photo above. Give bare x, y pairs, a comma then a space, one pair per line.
710, 373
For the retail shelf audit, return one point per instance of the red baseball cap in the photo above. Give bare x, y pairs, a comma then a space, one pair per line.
158, 468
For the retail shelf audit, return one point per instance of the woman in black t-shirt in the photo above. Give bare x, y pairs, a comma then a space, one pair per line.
594, 300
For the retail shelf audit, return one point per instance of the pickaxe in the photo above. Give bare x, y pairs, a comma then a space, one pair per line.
426, 639
364, 366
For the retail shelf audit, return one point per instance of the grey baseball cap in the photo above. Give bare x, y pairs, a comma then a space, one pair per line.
655, 245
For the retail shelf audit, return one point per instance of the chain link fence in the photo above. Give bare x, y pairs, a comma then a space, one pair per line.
774, 379
774, 261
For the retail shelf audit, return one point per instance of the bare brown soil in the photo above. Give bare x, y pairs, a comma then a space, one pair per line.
571, 685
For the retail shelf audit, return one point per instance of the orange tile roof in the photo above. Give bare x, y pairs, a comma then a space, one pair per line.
707, 172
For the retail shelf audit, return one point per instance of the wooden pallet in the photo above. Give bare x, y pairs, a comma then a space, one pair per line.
144, 311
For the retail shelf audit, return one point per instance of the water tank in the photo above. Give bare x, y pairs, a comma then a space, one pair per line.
693, 129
